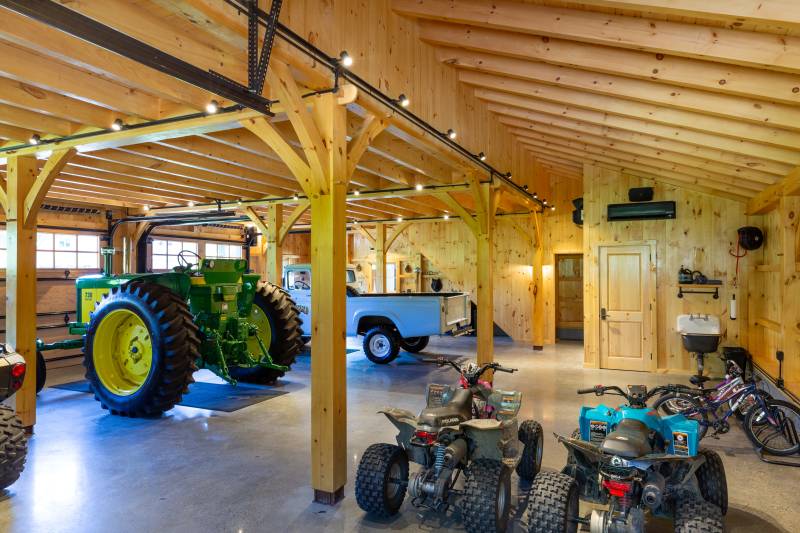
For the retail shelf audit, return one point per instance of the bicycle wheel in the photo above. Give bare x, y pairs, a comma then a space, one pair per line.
774, 427
690, 408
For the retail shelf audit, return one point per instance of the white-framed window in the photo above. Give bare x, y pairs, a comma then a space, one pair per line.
216, 250
66, 250
165, 252
59, 250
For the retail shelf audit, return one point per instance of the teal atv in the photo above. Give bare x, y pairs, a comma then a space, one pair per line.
144, 335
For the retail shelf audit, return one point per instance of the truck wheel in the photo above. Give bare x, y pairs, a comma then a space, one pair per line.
41, 371
530, 435
382, 479
278, 320
553, 504
381, 345
141, 347
414, 344
695, 516
712, 481
13, 447
487, 496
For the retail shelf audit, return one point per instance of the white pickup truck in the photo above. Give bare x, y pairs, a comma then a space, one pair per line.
388, 321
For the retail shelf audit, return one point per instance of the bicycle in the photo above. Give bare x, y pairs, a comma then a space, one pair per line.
770, 424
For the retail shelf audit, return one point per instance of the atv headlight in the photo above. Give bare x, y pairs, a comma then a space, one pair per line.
618, 461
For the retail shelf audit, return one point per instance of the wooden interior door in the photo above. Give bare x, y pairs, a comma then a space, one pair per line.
569, 296
627, 304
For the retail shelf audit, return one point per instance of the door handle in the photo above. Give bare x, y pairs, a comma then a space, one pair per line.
603, 314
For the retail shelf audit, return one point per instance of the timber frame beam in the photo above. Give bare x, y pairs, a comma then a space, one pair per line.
770, 198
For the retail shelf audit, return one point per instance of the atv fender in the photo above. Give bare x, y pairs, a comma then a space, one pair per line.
494, 439
404, 421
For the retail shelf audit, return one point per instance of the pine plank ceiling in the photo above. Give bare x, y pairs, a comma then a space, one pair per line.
704, 93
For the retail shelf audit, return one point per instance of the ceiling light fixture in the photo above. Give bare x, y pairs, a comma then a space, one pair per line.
345, 59
356, 193
117, 125
212, 107
35, 139
451, 134
403, 101
399, 219
482, 156
419, 187
191, 203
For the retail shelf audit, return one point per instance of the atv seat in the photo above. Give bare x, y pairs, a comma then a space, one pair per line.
630, 439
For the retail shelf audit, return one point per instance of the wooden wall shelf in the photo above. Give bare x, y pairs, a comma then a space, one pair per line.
697, 288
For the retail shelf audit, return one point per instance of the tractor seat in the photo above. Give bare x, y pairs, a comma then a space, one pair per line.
630, 439
698, 380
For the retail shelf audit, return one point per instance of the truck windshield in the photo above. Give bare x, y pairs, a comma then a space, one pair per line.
298, 279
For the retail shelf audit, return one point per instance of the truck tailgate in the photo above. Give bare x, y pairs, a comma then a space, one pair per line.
456, 311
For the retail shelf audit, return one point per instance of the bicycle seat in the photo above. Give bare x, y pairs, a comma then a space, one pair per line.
698, 380
630, 439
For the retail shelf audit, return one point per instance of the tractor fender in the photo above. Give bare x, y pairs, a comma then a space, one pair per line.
494, 439
404, 421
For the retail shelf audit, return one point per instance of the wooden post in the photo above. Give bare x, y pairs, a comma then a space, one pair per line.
273, 252
380, 257
21, 280
538, 332
329, 460
485, 270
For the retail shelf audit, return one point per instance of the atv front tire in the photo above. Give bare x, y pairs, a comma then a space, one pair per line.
13, 447
278, 319
712, 481
553, 504
381, 345
531, 436
414, 344
695, 516
382, 480
487, 497
140, 349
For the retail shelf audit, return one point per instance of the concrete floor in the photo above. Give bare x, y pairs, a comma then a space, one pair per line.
248, 471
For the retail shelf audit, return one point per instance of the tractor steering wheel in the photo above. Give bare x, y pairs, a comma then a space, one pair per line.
185, 262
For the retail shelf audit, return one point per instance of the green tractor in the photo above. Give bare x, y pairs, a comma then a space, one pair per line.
144, 335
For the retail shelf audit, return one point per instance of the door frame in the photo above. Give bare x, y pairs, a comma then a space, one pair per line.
653, 297
555, 288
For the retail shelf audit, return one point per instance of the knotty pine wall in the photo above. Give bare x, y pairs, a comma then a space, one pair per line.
700, 238
388, 54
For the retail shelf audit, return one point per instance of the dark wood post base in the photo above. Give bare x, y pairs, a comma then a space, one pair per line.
329, 498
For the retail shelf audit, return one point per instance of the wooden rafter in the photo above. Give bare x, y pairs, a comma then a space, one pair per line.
47, 175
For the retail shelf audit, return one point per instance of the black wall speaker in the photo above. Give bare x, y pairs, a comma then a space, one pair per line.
640, 194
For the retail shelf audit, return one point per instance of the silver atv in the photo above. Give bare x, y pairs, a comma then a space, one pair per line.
470, 428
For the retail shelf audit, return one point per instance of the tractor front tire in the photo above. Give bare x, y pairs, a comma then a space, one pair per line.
140, 349
13, 447
284, 340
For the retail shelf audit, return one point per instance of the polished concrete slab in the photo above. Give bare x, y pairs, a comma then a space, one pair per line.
248, 471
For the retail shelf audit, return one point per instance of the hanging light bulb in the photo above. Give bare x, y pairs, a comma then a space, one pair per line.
345, 59
117, 125
35, 139
451, 134
403, 100
212, 107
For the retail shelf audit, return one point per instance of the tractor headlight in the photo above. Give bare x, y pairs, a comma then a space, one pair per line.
224, 307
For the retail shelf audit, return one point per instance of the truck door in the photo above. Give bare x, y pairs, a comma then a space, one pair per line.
298, 283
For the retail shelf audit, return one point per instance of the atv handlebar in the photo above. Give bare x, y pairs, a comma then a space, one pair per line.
634, 397
441, 361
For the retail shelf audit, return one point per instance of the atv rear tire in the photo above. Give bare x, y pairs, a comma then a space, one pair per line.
695, 516
553, 504
13, 447
285, 338
487, 497
712, 481
381, 345
382, 480
531, 436
414, 344
150, 321
41, 371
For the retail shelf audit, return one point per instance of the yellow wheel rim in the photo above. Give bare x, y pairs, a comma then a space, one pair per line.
260, 319
122, 352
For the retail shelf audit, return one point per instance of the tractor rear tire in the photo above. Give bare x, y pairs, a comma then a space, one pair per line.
286, 340
149, 318
13, 447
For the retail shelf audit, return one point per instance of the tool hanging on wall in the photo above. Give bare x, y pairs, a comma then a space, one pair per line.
748, 238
